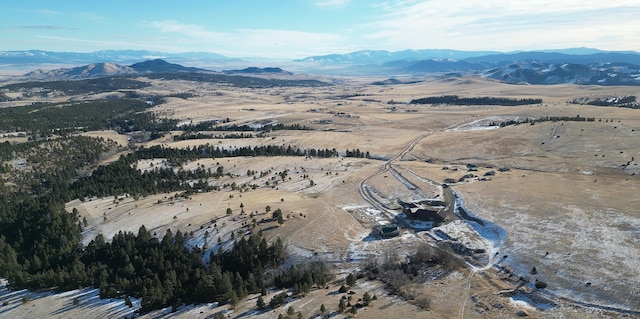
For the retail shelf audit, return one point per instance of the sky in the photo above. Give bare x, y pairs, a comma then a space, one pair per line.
288, 29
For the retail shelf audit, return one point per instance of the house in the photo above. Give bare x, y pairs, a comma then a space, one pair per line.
435, 215
431, 210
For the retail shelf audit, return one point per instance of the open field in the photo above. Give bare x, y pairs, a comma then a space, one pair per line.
568, 204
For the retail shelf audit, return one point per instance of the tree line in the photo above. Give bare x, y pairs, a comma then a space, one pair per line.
531, 121
484, 100
202, 136
46, 119
237, 80
630, 101
87, 86
212, 126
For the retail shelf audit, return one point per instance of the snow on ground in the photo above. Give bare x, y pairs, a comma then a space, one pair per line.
461, 232
483, 123
25, 304
490, 231
369, 212
531, 302
418, 224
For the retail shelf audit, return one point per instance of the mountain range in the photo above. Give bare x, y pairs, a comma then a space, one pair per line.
577, 66
102, 69
112, 56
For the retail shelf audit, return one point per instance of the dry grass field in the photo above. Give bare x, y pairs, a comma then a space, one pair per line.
568, 204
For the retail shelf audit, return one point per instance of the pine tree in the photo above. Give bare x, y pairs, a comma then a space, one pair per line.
233, 298
366, 299
351, 280
260, 304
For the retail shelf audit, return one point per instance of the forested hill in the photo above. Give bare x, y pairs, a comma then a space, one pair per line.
40, 245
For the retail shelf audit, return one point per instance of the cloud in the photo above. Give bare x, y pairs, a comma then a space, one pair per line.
331, 3
88, 15
260, 42
128, 42
35, 27
189, 30
505, 25
48, 12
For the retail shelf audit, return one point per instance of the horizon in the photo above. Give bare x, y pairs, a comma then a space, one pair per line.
296, 29
170, 55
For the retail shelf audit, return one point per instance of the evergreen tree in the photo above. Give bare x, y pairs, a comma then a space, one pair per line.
342, 306
351, 280
366, 299
260, 303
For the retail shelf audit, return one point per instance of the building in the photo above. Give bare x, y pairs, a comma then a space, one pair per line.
435, 215
389, 230
430, 210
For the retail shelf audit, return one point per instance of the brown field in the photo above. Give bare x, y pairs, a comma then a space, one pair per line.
568, 205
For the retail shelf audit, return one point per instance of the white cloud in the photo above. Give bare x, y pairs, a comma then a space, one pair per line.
88, 15
189, 30
506, 25
259, 42
89, 45
331, 3
35, 27
48, 12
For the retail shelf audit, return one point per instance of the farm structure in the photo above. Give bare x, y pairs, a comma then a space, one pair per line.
388, 230
430, 210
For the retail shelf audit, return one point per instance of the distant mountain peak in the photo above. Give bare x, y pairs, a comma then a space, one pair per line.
257, 70
21, 57
88, 71
162, 66
95, 70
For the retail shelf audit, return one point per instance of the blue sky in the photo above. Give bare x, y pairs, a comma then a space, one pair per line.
300, 28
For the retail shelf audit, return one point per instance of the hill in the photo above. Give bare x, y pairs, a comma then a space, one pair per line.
162, 66
605, 74
88, 71
96, 70
257, 70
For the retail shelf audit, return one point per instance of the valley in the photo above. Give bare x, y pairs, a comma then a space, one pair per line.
550, 202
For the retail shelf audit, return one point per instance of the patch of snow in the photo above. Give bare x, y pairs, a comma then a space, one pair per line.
523, 302
88, 298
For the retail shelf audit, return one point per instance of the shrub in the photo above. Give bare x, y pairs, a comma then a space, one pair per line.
423, 302
541, 284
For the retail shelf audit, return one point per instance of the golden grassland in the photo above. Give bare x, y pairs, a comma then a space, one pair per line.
568, 204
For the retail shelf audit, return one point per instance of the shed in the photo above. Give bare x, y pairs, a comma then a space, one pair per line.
389, 230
